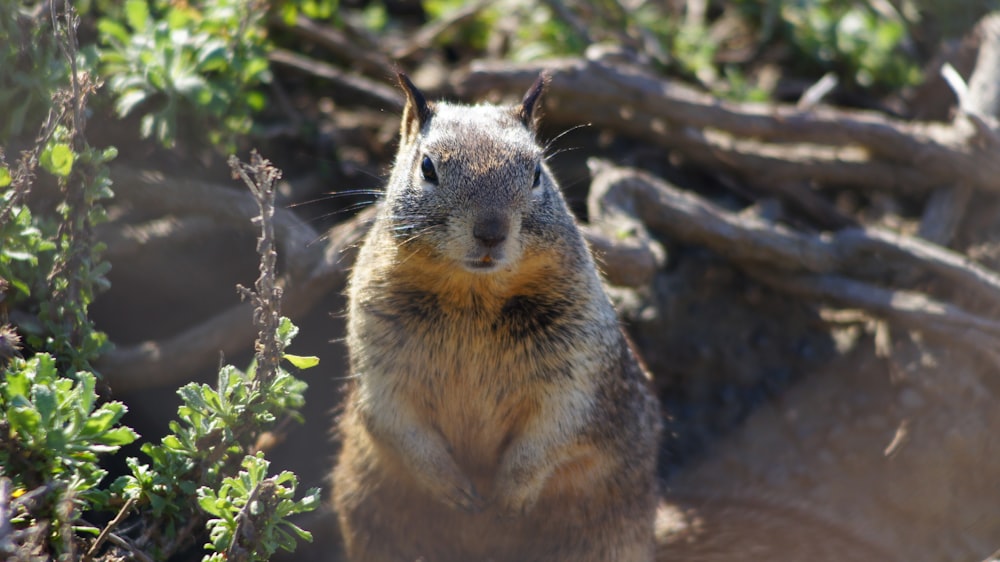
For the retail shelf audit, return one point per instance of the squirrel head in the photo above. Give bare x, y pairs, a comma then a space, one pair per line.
470, 184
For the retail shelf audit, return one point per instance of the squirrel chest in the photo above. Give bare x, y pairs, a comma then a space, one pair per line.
472, 361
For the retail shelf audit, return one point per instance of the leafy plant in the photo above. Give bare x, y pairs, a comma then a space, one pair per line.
55, 430
313, 9
215, 427
252, 501
24, 242
852, 39
199, 60
31, 69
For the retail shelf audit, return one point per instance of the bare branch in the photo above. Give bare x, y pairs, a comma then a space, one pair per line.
312, 271
386, 97
859, 148
375, 63
265, 297
820, 261
979, 103
429, 34
909, 309
92, 551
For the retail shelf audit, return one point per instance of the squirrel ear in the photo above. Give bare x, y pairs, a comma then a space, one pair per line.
527, 113
417, 110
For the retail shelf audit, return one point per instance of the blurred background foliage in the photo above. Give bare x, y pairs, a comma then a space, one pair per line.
198, 70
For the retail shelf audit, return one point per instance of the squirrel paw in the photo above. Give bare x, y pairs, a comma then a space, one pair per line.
465, 498
514, 499
459, 493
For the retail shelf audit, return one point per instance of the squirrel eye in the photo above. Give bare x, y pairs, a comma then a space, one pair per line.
538, 175
427, 168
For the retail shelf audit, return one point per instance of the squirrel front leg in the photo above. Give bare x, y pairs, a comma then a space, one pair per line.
424, 453
530, 461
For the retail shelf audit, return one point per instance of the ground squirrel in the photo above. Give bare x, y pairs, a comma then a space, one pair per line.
496, 410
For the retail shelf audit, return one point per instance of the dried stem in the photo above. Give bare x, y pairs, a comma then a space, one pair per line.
266, 296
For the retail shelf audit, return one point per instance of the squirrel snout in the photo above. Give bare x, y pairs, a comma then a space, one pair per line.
491, 230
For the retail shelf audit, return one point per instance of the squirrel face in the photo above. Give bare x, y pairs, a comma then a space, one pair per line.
468, 183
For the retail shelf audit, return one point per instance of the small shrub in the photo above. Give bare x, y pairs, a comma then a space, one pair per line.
197, 62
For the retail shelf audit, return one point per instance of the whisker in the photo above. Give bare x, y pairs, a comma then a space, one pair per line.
337, 195
564, 133
549, 156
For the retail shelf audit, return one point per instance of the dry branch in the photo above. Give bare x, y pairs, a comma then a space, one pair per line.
630, 261
372, 62
173, 360
909, 309
187, 198
312, 271
834, 146
384, 96
819, 263
429, 33
979, 102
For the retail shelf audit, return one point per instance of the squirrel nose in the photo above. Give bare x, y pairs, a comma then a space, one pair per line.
491, 231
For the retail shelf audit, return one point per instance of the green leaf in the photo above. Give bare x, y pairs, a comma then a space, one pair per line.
289, 13
17, 384
256, 100
110, 29
25, 421
57, 159
302, 362
286, 331
173, 443
45, 401
213, 55
21, 256
21, 287
137, 14
302, 533
119, 436
5, 178
128, 101
209, 502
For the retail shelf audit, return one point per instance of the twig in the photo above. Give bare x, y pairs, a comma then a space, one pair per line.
5, 510
188, 198
429, 33
373, 62
266, 296
122, 543
859, 251
315, 272
107, 529
565, 15
632, 262
979, 102
983, 94
388, 98
909, 309
815, 93
943, 214
259, 505
124, 242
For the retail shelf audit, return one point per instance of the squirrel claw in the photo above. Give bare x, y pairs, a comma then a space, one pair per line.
514, 507
465, 498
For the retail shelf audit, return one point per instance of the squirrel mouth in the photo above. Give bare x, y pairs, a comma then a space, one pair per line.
483, 264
